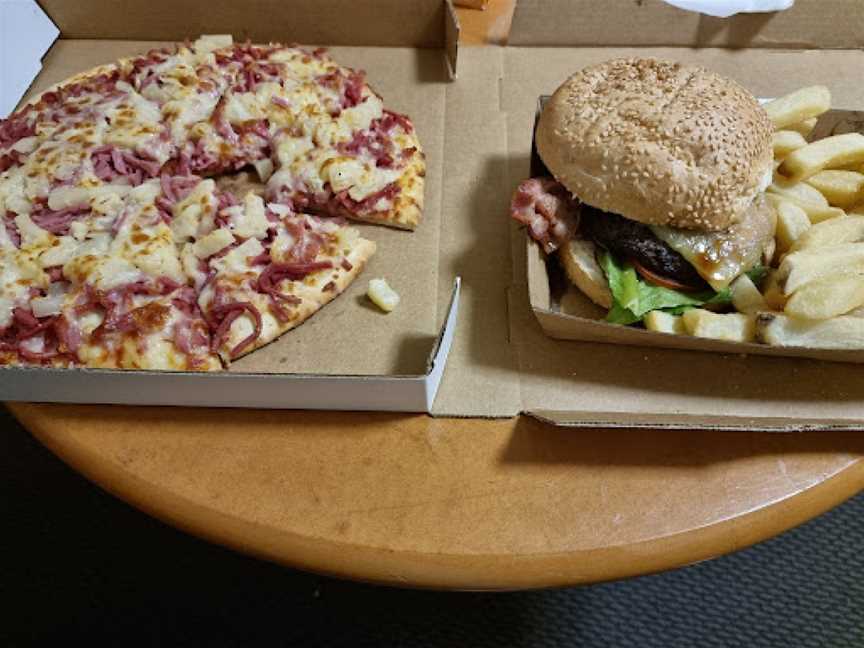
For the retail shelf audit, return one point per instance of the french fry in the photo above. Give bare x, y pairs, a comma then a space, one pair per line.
827, 297
856, 312
786, 141
731, 327
792, 223
804, 128
854, 166
798, 190
797, 106
857, 210
836, 333
661, 322
846, 229
815, 212
822, 154
841, 188
772, 291
746, 297
806, 266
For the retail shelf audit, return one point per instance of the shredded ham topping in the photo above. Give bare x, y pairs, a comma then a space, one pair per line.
57, 222
10, 159
223, 316
12, 228
549, 211
39, 340
353, 92
110, 163
174, 189
268, 283
345, 204
307, 242
16, 127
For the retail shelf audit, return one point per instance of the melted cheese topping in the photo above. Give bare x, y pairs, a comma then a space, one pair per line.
111, 234
719, 257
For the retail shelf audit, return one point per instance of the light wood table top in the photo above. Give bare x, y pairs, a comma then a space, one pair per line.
460, 503
453, 503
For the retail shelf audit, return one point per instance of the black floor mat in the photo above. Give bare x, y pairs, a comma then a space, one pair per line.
77, 565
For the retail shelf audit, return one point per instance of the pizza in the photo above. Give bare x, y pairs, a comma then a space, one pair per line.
118, 247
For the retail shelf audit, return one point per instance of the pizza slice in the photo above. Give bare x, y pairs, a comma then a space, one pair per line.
359, 168
269, 269
144, 324
104, 290
316, 132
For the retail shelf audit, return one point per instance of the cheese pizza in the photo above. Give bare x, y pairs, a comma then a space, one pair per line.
118, 249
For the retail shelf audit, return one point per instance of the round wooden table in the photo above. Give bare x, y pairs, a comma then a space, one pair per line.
453, 503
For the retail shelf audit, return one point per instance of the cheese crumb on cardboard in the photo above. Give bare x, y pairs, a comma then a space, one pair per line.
382, 295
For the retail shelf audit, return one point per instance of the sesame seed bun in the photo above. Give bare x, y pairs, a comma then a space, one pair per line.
658, 142
579, 259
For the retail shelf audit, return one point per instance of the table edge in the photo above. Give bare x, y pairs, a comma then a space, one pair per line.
452, 571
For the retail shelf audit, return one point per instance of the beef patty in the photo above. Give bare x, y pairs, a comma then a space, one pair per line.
632, 241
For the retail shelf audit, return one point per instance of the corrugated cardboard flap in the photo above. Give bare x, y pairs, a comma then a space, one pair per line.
809, 24
389, 23
420, 23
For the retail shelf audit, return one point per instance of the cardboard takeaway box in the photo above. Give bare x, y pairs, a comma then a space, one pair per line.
351, 355
583, 383
477, 132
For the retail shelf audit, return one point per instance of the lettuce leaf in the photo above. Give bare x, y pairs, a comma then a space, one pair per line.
633, 297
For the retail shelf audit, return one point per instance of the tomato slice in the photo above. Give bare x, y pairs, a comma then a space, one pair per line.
665, 282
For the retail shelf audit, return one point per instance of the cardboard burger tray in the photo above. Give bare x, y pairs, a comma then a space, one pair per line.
582, 319
477, 132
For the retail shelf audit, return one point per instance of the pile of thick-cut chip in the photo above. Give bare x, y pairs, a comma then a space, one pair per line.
812, 292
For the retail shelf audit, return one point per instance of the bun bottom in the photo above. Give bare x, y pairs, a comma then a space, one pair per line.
579, 258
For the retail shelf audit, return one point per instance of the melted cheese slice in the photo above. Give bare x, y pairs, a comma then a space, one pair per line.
719, 257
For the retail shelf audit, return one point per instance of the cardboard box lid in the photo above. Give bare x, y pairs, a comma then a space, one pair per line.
396, 23
809, 24
388, 23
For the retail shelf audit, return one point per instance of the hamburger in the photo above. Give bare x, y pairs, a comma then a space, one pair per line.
656, 195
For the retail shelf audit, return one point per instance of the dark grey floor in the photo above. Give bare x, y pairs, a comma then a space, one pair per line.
78, 565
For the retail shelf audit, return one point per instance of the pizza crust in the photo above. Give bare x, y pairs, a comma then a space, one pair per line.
105, 68
407, 211
313, 299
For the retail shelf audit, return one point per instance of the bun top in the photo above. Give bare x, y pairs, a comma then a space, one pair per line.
658, 142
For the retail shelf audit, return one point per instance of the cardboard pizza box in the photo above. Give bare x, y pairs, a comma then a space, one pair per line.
477, 132
350, 355
615, 376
